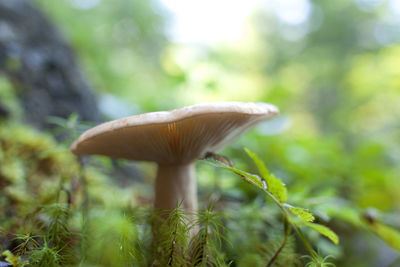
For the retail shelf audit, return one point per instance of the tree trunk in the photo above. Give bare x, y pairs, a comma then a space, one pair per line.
35, 57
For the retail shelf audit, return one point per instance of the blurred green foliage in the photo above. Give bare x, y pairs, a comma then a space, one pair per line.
336, 144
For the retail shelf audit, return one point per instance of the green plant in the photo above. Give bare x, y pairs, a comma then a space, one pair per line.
293, 217
204, 248
66, 214
178, 246
318, 261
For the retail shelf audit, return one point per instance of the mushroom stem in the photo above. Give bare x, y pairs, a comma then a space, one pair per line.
176, 184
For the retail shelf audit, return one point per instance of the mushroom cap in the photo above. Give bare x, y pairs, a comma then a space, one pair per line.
173, 137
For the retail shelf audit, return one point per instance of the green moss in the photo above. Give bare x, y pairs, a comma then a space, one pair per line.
33, 167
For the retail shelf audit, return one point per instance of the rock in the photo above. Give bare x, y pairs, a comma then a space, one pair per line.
38, 61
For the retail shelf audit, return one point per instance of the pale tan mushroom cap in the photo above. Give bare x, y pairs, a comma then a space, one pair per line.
176, 136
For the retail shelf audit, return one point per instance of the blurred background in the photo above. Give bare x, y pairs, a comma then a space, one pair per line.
332, 67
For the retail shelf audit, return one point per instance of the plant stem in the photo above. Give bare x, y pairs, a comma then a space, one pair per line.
286, 235
305, 242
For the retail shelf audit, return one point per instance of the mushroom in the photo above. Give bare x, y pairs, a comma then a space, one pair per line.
174, 140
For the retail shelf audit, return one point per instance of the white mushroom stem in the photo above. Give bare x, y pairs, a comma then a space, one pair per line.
176, 184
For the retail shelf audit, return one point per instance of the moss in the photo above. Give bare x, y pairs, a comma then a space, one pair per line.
32, 168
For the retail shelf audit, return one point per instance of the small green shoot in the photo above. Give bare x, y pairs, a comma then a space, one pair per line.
204, 245
318, 261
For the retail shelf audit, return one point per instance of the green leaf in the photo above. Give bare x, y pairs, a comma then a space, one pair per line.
322, 229
248, 177
388, 234
277, 188
301, 213
274, 185
260, 164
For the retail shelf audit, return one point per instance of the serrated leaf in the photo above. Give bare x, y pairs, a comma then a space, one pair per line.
388, 234
277, 188
274, 185
260, 164
303, 214
323, 230
248, 177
